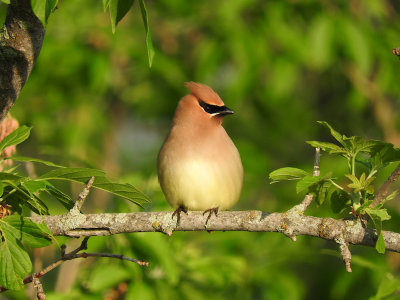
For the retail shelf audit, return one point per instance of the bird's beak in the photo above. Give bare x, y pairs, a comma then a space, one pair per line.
225, 111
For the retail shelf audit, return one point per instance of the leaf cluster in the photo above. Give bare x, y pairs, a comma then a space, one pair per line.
117, 8
354, 191
21, 193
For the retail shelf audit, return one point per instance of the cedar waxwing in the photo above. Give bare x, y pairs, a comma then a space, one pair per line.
199, 167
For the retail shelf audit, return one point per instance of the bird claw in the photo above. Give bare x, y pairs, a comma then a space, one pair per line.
211, 211
177, 213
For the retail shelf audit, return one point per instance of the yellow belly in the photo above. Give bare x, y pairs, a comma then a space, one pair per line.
198, 184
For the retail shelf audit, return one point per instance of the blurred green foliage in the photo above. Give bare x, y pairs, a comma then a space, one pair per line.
281, 65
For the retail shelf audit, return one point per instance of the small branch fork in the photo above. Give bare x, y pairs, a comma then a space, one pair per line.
75, 211
384, 190
69, 256
82, 197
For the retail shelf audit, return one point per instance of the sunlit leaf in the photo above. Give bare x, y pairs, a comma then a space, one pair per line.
149, 43
305, 183
83, 175
377, 216
380, 243
34, 160
106, 3
28, 232
287, 173
328, 147
389, 285
118, 10
43, 9
16, 137
15, 263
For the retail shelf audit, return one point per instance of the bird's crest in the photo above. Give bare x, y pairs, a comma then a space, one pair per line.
204, 93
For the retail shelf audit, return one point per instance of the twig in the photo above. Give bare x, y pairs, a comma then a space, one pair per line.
39, 289
82, 196
301, 208
384, 190
317, 171
345, 251
69, 256
119, 256
83, 246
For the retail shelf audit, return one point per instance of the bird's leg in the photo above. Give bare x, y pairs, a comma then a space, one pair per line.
177, 213
211, 211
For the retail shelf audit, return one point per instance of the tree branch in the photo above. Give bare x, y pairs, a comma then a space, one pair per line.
384, 190
256, 221
69, 256
21, 39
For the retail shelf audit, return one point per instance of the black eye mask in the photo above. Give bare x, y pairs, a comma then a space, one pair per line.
215, 109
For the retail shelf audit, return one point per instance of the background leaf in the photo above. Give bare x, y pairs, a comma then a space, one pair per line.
16, 137
118, 10
149, 43
43, 9
83, 175
15, 263
287, 173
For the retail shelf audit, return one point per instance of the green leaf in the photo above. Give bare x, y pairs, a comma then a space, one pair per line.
3, 12
63, 198
323, 191
106, 4
339, 137
355, 183
328, 147
380, 244
360, 144
384, 156
10, 177
16, 137
1, 189
118, 10
378, 213
28, 231
83, 175
34, 186
15, 263
339, 199
6, 1
18, 196
101, 280
389, 284
35, 160
149, 43
43, 8
306, 182
377, 216
287, 173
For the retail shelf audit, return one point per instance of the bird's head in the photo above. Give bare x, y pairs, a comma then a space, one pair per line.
201, 105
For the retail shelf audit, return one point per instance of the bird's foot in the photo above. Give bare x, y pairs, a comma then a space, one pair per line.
210, 212
177, 213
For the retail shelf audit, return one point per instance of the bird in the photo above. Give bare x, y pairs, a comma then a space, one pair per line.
199, 167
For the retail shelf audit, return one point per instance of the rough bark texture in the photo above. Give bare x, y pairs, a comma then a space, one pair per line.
291, 223
21, 39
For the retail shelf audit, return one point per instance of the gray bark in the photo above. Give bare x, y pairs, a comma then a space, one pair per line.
291, 223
